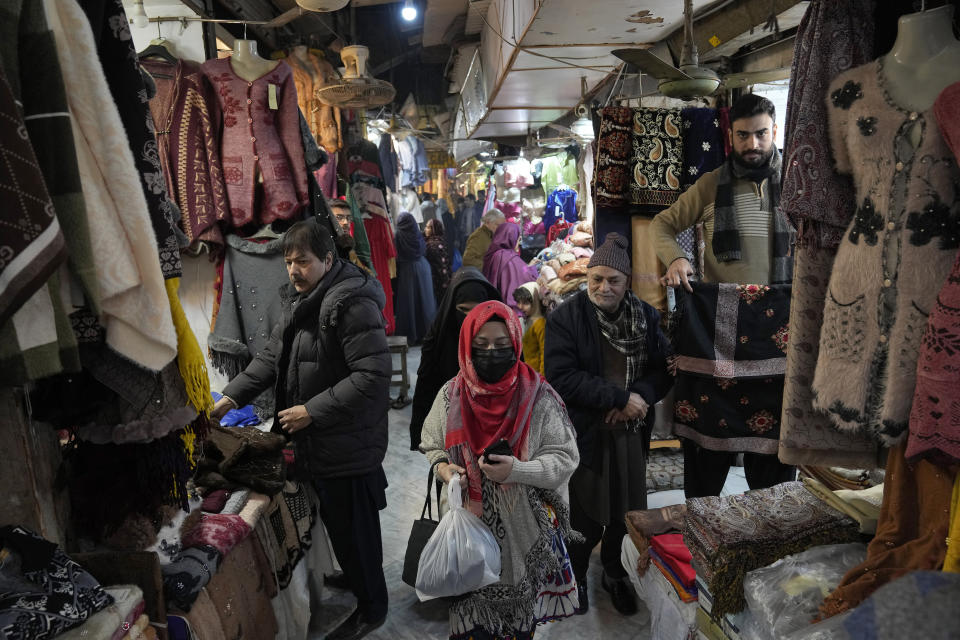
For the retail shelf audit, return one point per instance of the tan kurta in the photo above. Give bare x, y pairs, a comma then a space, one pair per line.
477, 245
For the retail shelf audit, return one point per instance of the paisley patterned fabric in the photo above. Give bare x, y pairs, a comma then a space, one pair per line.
612, 177
833, 37
657, 156
729, 536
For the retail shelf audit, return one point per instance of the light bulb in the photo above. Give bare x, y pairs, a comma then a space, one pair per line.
139, 17
409, 12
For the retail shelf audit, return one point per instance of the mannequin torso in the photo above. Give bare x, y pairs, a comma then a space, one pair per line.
924, 60
247, 64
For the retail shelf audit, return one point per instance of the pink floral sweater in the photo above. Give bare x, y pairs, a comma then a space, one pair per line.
259, 142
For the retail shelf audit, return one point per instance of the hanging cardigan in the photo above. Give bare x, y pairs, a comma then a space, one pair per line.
189, 152
895, 255
258, 141
122, 71
136, 309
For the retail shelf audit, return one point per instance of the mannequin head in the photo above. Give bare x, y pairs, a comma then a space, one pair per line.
753, 129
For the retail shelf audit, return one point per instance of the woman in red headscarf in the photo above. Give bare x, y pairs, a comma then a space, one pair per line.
522, 497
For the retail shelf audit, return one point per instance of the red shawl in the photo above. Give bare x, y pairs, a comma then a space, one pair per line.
481, 414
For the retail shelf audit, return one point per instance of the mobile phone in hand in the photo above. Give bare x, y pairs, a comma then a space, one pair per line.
500, 448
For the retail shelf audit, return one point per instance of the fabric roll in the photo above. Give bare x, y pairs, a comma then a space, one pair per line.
647, 269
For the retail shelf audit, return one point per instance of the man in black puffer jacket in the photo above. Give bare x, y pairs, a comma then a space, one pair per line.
329, 363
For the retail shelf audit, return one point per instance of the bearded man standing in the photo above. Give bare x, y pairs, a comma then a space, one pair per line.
747, 240
606, 356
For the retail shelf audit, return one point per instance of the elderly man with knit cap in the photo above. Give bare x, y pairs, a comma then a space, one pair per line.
606, 356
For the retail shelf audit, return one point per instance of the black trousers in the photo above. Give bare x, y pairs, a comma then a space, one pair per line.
705, 471
610, 538
350, 509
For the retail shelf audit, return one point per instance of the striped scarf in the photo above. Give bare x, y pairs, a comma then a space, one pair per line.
726, 233
627, 333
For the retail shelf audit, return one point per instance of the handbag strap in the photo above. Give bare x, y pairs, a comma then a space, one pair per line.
427, 506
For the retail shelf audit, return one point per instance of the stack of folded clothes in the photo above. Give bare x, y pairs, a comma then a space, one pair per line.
862, 505
729, 536
672, 558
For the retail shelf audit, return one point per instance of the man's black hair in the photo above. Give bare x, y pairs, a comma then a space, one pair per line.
309, 235
750, 105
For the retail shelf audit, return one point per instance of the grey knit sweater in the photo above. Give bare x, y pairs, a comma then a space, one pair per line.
553, 459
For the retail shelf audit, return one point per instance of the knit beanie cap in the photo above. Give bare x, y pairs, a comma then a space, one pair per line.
612, 253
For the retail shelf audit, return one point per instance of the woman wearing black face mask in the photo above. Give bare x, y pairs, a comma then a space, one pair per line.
438, 358
498, 401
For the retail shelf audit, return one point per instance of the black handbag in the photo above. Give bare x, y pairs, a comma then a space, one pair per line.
419, 534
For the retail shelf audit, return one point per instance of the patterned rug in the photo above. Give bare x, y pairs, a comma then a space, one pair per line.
664, 470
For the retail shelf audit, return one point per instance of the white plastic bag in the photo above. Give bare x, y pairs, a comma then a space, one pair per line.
461, 555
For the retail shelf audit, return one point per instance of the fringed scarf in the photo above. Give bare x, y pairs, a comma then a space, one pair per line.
627, 333
481, 414
726, 232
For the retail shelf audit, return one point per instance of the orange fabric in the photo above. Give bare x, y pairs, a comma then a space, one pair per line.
911, 533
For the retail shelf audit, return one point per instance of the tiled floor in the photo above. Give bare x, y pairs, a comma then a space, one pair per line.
410, 619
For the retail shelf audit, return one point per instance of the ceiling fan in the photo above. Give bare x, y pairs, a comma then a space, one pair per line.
395, 128
690, 79
320, 6
355, 89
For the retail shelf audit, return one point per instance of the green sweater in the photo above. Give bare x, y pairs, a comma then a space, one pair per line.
695, 206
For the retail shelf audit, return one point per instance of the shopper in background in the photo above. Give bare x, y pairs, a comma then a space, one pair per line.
527, 298
346, 247
607, 357
502, 264
329, 364
415, 305
450, 230
522, 496
438, 255
439, 359
479, 241
744, 243
428, 208
470, 219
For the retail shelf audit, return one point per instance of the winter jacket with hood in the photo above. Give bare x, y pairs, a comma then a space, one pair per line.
329, 353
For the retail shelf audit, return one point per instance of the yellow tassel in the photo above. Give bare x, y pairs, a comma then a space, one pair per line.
952, 562
190, 360
189, 439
